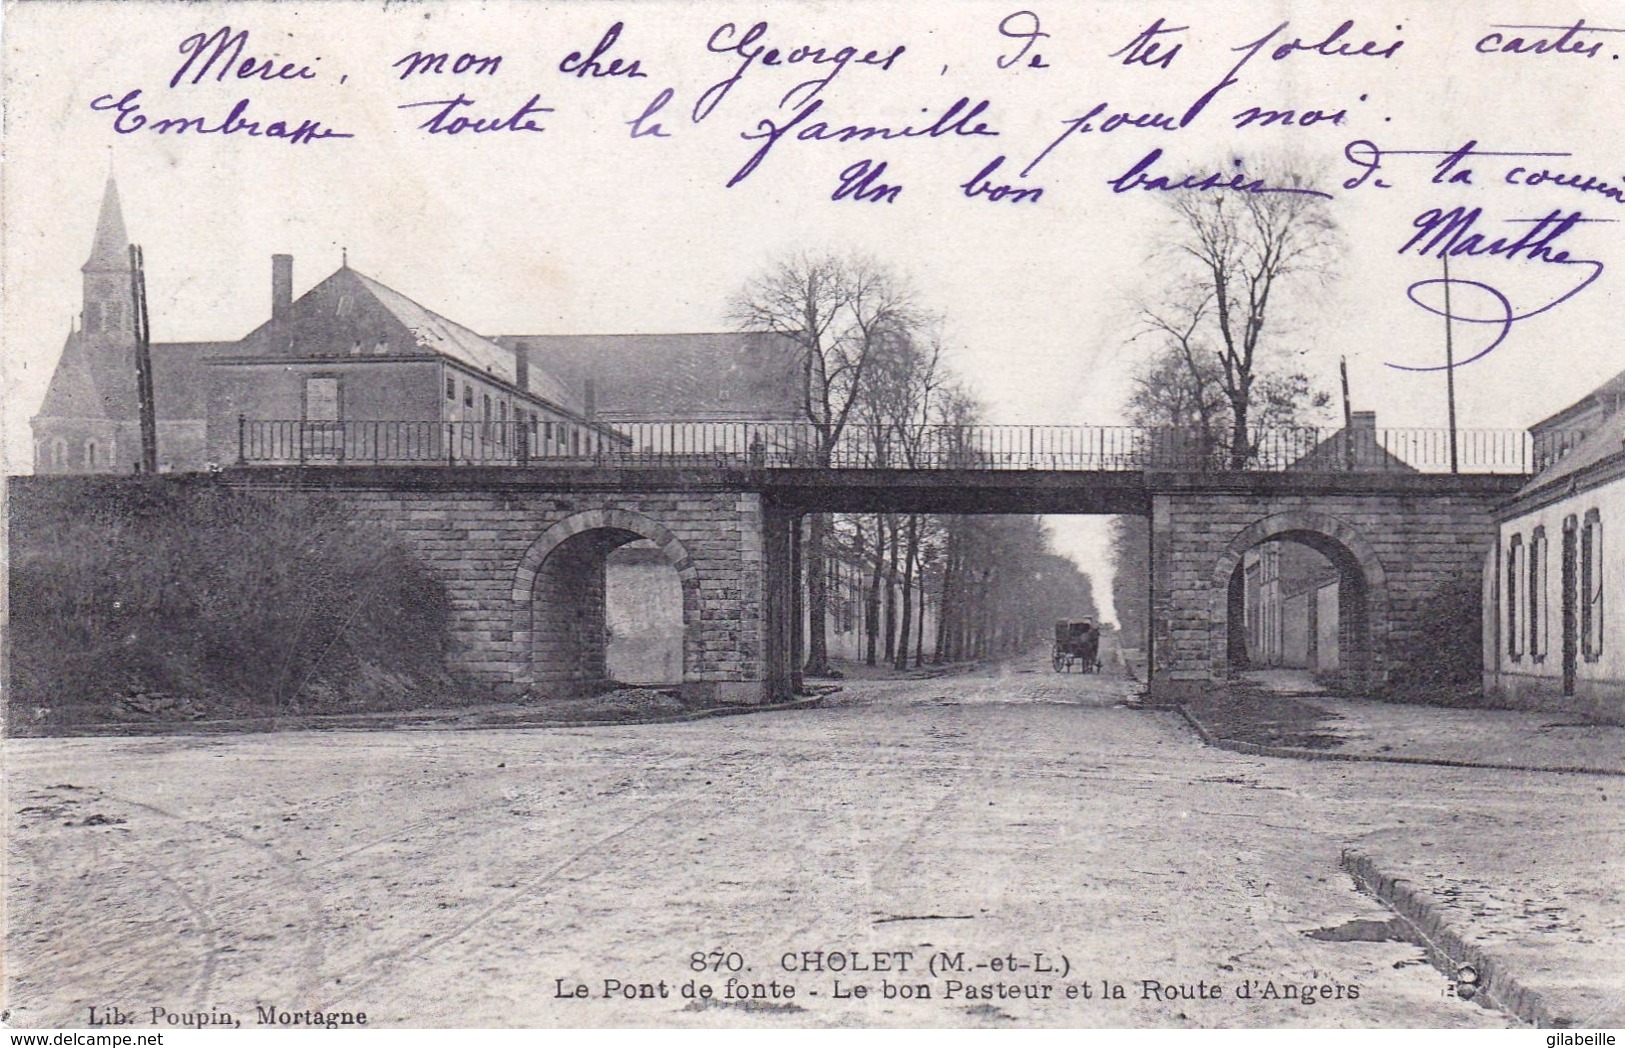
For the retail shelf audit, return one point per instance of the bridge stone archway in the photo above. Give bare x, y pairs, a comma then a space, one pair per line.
1397, 542
1362, 592
560, 628
496, 534
498, 539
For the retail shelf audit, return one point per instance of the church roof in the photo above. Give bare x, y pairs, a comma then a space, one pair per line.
95, 380
111, 248
752, 375
74, 391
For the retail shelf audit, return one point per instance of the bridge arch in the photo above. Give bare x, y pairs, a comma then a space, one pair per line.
559, 605
1363, 600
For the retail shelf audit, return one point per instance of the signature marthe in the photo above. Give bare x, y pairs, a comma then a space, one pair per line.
1454, 233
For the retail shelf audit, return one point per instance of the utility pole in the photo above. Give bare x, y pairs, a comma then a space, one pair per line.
1348, 417
1449, 363
143, 363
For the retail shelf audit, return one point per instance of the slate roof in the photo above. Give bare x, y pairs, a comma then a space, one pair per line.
350, 314
1609, 396
1330, 455
438, 334
179, 385
741, 375
1605, 444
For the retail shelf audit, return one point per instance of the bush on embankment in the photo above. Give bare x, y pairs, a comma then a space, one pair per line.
142, 599
1442, 662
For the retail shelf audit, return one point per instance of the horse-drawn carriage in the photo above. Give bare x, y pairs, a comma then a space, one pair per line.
1077, 643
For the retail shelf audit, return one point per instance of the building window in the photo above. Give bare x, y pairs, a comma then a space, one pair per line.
524, 440
1537, 595
468, 395
451, 385
575, 441
90, 454
1591, 575
502, 424
59, 453
322, 399
1513, 605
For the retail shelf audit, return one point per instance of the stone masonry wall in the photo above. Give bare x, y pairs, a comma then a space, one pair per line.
489, 547
567, 640
1409, 548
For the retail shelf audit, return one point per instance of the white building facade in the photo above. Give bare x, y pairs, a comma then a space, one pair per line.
1554, 623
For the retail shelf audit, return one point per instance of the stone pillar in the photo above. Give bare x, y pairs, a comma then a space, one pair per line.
778, 527
1176, 670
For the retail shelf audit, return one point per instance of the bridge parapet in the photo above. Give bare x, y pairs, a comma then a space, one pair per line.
794, 445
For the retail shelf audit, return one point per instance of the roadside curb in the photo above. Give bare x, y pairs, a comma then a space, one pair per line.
405, 722
1446, 948
1212, 738
674, 718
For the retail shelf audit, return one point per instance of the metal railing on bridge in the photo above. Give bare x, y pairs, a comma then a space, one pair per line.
790, 445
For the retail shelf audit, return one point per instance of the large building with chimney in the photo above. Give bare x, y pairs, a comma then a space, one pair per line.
354, 370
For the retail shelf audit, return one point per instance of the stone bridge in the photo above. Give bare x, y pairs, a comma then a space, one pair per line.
522, 550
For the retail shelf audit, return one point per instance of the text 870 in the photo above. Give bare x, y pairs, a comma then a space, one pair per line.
716, 961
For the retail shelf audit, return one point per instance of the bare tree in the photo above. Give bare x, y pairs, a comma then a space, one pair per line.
916, 410
845, 312
1237, 253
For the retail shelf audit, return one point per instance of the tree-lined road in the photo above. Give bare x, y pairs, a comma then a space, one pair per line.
1012, 818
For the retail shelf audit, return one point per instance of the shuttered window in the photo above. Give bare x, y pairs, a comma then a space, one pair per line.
1591, 594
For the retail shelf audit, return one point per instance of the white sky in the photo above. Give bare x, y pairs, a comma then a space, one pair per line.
582, 229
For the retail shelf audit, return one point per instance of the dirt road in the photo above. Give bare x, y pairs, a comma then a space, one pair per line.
1016, 844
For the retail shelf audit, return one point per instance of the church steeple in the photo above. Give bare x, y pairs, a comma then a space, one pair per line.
111, 249
107, 271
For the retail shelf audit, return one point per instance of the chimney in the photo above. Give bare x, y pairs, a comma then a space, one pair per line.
521, 365
281, 286
1362, 444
